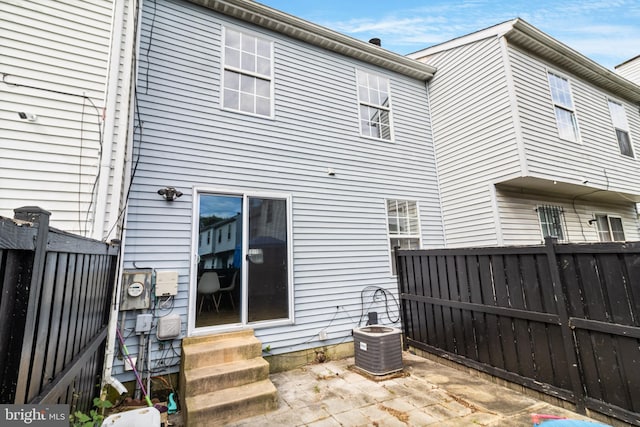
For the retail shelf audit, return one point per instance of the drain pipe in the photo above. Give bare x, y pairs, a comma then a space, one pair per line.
125, 123
112, 331
111, 99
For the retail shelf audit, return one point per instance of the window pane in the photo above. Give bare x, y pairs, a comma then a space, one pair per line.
618, 116
263, 48
248, 62
246, 103
603, 228
232, 57
616, 229
231, 99
263, 88
566, 124
560, 91
268, 289
248, 55
248, 43
248, 84
373, 96
263, 106
264, 66
231, 80
624, 143
232, 38
551, 221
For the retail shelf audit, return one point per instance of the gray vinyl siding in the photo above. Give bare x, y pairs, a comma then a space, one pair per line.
45, 47
340, 243
521, 226
596, 156
474, 135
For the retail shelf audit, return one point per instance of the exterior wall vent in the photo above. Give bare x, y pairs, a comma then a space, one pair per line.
378, 349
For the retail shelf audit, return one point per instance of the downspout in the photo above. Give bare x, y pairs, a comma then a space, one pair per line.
126, 126
110, 111
125, 136
435, 160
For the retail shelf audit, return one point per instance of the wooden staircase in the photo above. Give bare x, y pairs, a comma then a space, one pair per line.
223, 378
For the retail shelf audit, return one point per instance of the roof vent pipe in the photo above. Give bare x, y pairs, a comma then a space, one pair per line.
376, 41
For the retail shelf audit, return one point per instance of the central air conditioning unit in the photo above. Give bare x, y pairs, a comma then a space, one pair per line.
378, 349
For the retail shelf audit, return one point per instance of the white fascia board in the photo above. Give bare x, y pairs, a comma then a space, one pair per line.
294, 27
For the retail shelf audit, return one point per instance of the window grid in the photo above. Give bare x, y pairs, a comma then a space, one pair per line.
563, 106
375, 110
610, 228
552, 221
621, 127
403, 226
248, 70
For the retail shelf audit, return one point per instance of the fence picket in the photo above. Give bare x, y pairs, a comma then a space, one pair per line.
562, 319
61, 287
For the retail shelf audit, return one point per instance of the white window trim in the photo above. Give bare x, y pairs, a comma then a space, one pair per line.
609, 216
392, 236
573, 109
245, 194
389, 108
628, 130
223, 67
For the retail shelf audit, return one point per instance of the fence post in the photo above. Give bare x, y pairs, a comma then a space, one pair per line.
567, 333
401, 303
41, 218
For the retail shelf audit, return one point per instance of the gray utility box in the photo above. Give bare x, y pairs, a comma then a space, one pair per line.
378, 349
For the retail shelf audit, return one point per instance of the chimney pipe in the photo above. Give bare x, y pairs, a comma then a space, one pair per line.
376, 41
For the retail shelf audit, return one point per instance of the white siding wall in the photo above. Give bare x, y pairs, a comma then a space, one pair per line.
596, 156
48, 46
340, 241
630, 70
521, 226
474, 134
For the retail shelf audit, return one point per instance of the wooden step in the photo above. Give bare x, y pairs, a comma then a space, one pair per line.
225, 375
211, 352
223, 406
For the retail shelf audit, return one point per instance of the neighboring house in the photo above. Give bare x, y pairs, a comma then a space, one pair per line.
532, 139
62, 145
314, 146
630, 69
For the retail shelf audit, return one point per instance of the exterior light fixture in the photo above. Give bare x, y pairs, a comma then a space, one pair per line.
27, 116
169, 193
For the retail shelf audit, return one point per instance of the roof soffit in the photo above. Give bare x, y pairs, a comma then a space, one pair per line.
532, 40
263, 16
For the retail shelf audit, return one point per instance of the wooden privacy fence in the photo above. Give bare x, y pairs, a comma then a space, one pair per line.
563, 319
54, 308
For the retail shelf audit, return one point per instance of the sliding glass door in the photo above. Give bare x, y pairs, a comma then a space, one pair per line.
242, 259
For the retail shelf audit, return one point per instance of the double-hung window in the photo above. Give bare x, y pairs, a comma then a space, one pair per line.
609, 228
374, 104
551, 221
248, 73
621, 126
563, 106
404, 226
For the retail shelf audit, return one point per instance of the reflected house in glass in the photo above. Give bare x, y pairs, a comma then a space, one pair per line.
218, 243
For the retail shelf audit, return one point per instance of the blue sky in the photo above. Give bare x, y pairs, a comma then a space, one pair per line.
607, 31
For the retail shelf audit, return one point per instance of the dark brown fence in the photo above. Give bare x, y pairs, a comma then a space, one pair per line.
54, 308
563, 319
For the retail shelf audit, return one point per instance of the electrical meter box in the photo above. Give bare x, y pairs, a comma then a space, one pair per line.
136, 289
166, 283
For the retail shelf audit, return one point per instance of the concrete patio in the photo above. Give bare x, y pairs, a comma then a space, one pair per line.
427, 393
